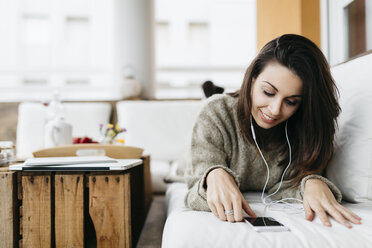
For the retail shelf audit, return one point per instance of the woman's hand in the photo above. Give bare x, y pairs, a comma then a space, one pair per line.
224, 195
319, 198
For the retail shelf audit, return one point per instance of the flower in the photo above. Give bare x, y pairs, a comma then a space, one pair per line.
120, 141
109, 132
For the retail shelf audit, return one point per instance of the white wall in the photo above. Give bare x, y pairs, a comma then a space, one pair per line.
78, 47
81, 47
202, 40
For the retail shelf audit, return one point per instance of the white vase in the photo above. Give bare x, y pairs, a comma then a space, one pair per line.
57, 133
130, 87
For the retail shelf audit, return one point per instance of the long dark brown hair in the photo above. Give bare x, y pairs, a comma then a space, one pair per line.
312, 127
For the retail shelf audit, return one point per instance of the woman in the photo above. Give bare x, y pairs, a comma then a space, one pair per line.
287, 91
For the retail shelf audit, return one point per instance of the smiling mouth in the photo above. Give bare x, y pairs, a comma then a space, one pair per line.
267, 117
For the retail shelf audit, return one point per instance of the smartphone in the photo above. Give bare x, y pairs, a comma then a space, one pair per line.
265, 224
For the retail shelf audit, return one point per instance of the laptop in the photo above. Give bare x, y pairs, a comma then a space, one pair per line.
83, 163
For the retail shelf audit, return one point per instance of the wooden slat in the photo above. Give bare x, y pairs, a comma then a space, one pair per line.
147, 182
36, 210
69, 210
21, 226
109, 208
19, 186
8, 231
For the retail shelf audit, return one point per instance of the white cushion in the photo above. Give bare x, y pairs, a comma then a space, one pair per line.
351, 167
30, 129
159, 169
84, 118
162, 128
186, 228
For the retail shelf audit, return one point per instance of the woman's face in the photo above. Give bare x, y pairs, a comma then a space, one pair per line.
276, 95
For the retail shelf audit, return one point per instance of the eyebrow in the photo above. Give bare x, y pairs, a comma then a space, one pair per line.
278, 90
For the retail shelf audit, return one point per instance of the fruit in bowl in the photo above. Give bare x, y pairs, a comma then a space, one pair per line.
83, 140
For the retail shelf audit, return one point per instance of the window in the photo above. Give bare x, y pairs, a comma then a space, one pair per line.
356, 28
163, 42
80, 47
200, 40
349, 28
50, 45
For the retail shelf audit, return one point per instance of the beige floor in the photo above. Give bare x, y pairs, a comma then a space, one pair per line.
152, 231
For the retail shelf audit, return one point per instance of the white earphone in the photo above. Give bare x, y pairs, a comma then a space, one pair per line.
268, 169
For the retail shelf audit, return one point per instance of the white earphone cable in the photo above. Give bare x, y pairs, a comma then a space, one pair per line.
268, 170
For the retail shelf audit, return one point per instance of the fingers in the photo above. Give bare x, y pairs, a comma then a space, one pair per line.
213, 209
224, 197
228, 208
238, 213
236, 205
322, 215
318, 198
341, 214
309, 214
247, 208
332, 211
353, 218
221, 212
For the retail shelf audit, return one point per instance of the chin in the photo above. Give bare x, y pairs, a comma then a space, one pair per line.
265, 125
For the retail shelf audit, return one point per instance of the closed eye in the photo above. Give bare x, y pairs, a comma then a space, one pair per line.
291, 103
268, 93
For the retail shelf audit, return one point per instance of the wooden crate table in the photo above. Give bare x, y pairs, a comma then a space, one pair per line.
74, 209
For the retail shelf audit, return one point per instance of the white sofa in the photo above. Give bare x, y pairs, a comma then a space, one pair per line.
162, 128
351, 166
350, 169
84, 118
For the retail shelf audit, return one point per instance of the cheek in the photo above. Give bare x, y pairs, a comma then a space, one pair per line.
257, 99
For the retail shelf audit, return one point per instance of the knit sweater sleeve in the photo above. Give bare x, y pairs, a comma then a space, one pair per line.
209, 150
286, 191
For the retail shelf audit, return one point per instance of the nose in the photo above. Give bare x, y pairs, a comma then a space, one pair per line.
275, 107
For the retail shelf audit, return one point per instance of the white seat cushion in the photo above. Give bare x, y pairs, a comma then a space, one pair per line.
84, 118
351, 166
162, 128
159, 169
187, 228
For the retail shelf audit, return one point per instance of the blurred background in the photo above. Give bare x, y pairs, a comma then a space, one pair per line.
112, 50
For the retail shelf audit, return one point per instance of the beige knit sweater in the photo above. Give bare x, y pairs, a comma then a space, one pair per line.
217, 143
